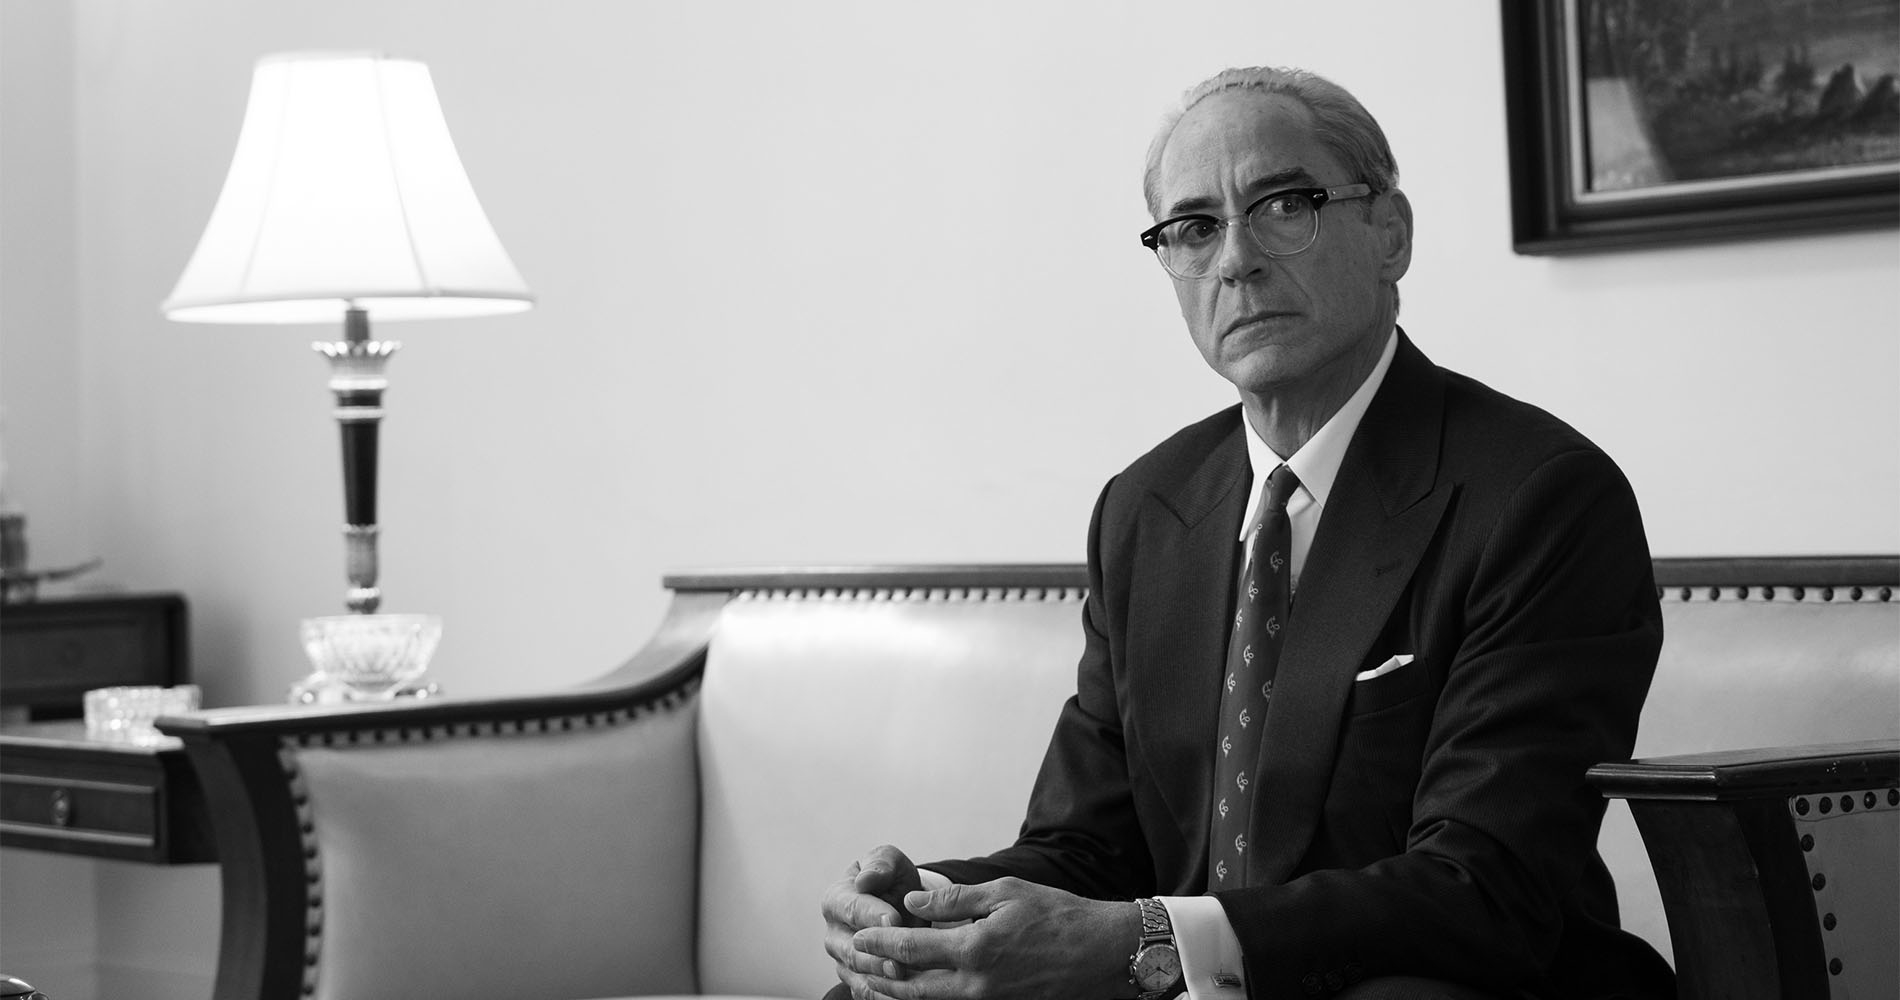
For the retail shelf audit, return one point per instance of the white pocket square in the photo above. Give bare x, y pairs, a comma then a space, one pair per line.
1384, 668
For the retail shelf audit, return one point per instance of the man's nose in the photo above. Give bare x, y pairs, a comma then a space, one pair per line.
1241, 257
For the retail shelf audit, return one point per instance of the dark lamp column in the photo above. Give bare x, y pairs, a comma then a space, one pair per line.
357, 379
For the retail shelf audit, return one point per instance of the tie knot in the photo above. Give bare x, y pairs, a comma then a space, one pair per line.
1280, 486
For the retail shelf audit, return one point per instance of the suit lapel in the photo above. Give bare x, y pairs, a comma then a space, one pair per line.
1183, 590
1380, 517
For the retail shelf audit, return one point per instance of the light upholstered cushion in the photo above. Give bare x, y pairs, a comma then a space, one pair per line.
1737, 674
524, 865
829, 726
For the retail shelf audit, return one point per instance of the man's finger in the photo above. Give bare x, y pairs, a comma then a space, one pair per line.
930, 985
882, 868
955, 902
910, 947
843, 904
845, 955
884, 858
874, 881
879, 989
872, 965
865, 988
870, 911
843, 907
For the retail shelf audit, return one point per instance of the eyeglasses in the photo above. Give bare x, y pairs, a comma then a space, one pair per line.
1283, 223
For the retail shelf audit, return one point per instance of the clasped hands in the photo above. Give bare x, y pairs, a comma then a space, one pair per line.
1022, 940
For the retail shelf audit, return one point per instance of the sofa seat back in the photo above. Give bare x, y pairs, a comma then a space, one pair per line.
831, 721
835, 719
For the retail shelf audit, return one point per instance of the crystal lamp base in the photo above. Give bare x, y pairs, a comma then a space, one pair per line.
366, 657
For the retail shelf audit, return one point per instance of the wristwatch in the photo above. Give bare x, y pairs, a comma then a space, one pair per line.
1155, 967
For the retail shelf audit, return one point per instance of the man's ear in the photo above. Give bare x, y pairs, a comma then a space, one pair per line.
1393, 216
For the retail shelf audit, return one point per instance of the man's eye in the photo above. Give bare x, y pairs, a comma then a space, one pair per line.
1193, 232
1286, 206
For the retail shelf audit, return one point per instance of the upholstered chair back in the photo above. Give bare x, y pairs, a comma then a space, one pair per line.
495, 862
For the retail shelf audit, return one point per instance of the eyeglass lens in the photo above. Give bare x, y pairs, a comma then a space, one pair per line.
1283, 225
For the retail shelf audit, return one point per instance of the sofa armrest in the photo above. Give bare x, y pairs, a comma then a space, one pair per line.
389, 849
1779, 868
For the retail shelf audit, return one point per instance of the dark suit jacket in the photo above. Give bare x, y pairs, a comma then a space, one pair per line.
1433, 821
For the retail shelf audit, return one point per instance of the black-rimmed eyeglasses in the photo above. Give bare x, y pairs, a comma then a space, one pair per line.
1283, 223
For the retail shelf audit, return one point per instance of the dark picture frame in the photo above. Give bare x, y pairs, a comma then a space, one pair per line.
1749, 116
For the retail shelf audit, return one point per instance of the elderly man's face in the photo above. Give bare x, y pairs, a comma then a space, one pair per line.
1293, 326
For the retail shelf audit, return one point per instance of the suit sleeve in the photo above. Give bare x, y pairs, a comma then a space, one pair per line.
1081, 833
1560, 636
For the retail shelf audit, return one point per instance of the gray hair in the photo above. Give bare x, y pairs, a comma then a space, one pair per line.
1340, 123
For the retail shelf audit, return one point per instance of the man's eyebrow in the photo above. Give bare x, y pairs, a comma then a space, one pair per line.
1192, 206
1285, 177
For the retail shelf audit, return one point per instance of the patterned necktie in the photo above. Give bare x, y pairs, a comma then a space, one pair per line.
1260, 614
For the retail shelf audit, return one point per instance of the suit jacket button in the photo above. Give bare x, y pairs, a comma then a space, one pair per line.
1310, 984
1335, 982
1355, 972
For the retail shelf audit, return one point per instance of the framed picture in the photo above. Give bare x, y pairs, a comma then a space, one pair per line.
1638, 122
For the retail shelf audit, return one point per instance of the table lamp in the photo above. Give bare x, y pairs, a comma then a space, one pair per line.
346, 200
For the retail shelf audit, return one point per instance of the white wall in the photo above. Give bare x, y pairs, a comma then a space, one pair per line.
39, 298
777, 324
48, 911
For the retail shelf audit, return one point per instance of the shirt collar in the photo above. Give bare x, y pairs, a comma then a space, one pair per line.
1317, 462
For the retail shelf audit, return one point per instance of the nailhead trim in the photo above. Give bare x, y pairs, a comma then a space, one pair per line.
1810, 813
1777, 594
923, 594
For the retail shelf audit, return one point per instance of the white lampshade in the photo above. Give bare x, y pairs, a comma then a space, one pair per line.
345, 190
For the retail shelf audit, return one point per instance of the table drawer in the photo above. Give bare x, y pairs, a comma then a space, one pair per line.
92, 812
62, 792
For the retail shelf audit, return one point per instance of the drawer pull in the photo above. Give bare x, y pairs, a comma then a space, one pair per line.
62, 807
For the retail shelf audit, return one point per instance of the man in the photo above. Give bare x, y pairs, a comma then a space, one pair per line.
1452, 618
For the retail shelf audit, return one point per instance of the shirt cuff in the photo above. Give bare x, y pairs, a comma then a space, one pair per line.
1209, 948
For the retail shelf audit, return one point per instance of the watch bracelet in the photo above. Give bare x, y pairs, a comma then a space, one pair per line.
1154, 924
1154, 919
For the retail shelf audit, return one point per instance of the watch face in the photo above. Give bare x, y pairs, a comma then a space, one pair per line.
1157, 967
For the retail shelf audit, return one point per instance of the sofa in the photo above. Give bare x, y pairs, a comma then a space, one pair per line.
668, 829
